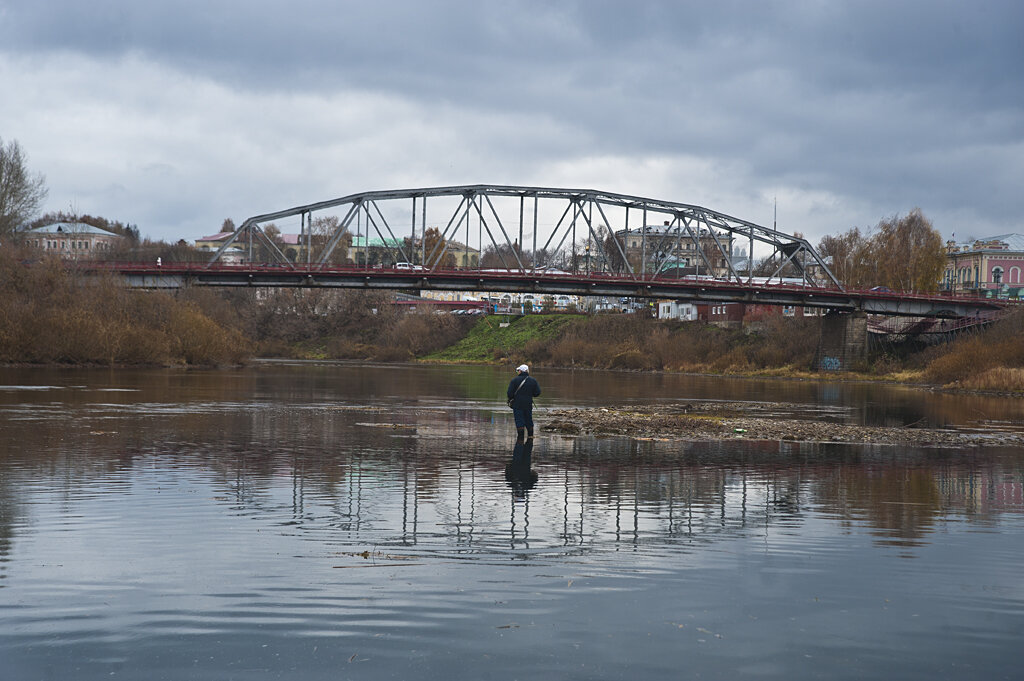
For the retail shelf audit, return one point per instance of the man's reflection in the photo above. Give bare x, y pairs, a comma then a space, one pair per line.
518, 473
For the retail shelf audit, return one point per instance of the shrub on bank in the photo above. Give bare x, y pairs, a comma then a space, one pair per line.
49, 314
424, 331
333, 324
196, 339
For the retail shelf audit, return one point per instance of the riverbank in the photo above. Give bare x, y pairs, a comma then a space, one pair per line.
756, 421
50, 316
990, 361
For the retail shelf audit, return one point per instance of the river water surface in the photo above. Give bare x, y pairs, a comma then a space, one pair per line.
306, 521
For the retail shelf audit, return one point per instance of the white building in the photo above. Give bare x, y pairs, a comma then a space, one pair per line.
72, 239
674, 309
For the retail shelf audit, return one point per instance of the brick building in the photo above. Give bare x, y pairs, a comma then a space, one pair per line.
990, 267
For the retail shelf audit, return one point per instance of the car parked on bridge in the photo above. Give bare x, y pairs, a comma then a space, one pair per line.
408, 266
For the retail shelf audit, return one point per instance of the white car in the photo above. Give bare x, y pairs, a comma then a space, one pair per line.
408, 266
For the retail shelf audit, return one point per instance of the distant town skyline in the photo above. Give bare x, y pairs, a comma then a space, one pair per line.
175, 116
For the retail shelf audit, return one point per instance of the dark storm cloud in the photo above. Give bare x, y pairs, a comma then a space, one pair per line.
892, 104
460, 50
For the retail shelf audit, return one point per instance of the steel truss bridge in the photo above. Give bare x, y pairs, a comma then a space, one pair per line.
606, 242
585, 216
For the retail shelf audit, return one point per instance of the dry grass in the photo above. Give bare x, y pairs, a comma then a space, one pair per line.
971, 359
1000, 379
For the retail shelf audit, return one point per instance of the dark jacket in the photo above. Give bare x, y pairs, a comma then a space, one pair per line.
523, 398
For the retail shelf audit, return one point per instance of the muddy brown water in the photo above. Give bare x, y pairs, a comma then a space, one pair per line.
335, 521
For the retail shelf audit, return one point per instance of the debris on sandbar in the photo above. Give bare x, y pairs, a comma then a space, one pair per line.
754, 421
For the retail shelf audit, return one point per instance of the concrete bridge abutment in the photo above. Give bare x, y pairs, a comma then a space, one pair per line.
843, 341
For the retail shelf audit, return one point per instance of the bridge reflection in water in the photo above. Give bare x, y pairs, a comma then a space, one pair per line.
390, 478
580, 496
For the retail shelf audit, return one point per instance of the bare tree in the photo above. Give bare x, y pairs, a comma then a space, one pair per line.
21, 193
908, 253
501, 256
902, 253
849, 254
322, 230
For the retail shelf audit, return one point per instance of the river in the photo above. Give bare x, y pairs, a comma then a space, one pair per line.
345, 521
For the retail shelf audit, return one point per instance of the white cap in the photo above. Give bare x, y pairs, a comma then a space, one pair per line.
522, 368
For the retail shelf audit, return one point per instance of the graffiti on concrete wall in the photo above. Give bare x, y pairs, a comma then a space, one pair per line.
831, 364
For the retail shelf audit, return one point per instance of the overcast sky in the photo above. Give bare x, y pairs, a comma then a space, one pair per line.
174, 116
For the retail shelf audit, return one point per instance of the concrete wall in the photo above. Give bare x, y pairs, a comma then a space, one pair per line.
843, 341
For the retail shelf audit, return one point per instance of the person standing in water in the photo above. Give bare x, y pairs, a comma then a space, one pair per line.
521, 392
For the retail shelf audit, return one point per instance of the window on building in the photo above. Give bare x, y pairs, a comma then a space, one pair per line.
997, 275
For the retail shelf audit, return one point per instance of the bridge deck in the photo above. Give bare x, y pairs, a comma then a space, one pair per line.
695, 289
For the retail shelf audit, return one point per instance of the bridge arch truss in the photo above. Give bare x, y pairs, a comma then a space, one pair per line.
506, 218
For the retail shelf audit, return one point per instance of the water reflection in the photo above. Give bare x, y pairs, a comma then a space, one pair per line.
589, 493
519, 472
315, 519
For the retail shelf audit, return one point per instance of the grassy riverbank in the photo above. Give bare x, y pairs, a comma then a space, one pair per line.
634, 342
498, 338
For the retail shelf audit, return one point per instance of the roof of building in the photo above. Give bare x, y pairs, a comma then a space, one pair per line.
361, 242
79, 228
1013, 241
454, 245
673, 230
220, 236
286, 239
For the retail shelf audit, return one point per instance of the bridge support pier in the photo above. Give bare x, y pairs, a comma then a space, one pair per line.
843, 341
